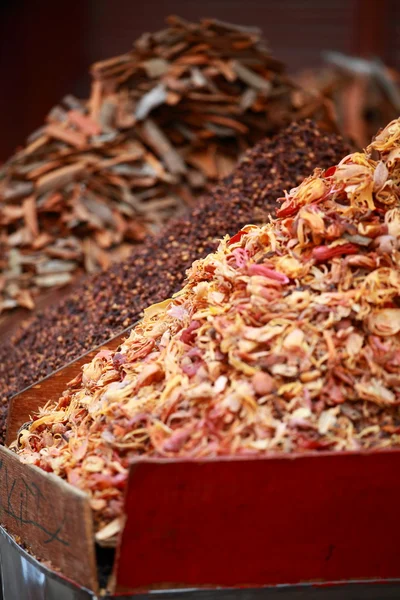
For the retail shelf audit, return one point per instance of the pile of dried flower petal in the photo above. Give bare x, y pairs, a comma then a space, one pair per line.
161, 122
365, 94
286, 339
102, 305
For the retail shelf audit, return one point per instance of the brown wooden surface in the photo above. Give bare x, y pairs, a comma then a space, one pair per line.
53, 519
28, 401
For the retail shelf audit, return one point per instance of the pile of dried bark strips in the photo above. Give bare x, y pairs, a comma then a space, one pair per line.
365, 94
162, 121
103, 305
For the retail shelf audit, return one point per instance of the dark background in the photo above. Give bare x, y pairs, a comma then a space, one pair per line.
46, 47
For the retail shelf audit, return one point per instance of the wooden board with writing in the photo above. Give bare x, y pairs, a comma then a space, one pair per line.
28, 401
53, 519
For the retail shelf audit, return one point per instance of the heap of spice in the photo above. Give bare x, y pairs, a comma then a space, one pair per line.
365, 94
104, 304
162, 121
286, 339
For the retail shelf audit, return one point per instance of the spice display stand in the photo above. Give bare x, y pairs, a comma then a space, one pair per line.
234, 518
283, 520
230, 523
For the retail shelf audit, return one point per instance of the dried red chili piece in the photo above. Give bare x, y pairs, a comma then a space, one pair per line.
322, 253
236, 237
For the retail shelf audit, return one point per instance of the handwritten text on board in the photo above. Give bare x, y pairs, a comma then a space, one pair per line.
52, 518
25, 502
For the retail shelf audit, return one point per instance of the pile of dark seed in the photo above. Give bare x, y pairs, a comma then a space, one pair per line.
103, 305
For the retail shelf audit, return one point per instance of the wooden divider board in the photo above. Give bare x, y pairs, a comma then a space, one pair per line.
28, 401
253, 522
53, 519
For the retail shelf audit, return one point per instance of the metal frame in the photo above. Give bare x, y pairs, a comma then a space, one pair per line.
24, 578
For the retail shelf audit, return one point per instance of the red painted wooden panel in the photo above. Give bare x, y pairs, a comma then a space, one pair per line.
239, 522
